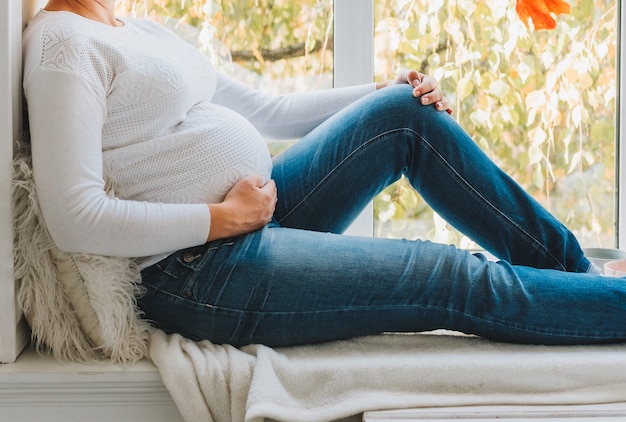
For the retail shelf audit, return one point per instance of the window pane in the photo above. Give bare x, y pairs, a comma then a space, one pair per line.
542, 104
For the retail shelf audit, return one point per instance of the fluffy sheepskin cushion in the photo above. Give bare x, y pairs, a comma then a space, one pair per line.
80, 307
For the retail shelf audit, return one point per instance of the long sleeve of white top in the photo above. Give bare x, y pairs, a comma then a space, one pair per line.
288, 116
66, 118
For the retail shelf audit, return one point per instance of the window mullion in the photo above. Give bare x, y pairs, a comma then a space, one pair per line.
353, 64
620, 149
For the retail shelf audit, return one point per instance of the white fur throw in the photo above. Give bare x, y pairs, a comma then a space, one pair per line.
80, 307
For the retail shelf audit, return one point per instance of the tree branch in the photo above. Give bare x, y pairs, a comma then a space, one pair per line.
289, 52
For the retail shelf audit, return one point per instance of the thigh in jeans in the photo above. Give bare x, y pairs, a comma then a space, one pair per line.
282, 286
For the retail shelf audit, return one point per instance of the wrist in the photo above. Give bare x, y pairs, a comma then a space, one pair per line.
219, 224
381, 85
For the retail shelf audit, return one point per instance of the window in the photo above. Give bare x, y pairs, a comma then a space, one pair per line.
541, 103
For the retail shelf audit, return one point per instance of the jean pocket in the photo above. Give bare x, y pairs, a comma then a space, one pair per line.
172, 274
177, 273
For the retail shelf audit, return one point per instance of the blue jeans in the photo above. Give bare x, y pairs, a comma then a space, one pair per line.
299, 281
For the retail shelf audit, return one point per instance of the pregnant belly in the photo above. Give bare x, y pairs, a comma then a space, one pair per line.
198, 162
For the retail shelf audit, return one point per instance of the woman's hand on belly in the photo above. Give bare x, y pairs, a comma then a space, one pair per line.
247, 207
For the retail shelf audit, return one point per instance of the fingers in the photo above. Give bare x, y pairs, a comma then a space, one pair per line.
266, 187
255, 180
444, 106
423, 84
412, 77
256, 197
248, 206
426, 88
272, 194
437, 98
269, 199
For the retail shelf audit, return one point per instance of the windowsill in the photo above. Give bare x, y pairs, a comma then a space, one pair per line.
612, 412
30, 361
37, 387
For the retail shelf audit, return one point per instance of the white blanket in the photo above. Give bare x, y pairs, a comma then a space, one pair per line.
336, 380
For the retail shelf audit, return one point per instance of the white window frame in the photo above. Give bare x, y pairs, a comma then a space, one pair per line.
353, 64
13, 331
620, 148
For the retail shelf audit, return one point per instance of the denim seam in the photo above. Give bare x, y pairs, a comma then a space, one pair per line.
347, 159
495, 211
532, 329
182, 298
468, 187
509, 326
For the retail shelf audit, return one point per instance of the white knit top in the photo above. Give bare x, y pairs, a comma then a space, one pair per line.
146, 109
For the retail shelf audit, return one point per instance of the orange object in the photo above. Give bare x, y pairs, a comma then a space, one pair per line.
539, 11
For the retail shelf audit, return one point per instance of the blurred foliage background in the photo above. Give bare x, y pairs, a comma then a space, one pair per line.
542, 104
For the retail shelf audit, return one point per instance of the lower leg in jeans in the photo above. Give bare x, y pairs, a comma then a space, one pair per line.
337, 169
